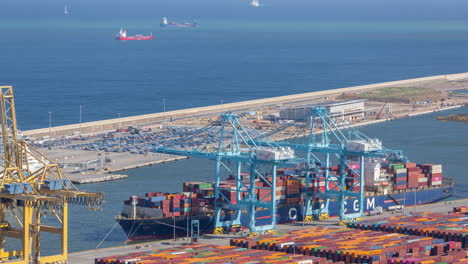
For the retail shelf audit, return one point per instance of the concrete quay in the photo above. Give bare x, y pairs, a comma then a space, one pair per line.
93, 178
223, 240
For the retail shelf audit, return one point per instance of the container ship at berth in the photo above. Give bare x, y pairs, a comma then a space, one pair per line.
401, 184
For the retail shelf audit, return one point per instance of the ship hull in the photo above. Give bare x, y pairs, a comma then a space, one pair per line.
178, 25
135, 38
143, 229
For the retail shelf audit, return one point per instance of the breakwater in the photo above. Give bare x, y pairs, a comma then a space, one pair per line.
112, 124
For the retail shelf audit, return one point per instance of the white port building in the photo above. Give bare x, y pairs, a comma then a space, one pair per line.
343, 111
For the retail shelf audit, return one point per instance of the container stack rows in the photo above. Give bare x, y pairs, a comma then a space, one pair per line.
356, 246
410, 175
210, 254
171, 205
457, 256
198, 197
420, 238
450, 227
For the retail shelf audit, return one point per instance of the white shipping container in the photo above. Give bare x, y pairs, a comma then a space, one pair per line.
272, 154
434, 183
422, 179
280, 197
400, 170
363, 145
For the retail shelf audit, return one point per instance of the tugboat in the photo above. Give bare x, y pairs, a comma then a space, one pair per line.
123, 36
166, 23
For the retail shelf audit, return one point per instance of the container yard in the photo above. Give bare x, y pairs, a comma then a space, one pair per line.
442, 208
210, 254
386, 242
351, 245
450, 227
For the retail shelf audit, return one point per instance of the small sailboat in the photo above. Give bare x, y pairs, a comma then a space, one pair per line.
255, 3
65, 12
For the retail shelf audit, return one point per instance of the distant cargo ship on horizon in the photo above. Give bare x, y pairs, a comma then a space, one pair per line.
165, 23
123, 36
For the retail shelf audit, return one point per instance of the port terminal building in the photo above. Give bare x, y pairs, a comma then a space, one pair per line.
341, 110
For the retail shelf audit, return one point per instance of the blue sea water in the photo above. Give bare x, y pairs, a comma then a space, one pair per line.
57, 63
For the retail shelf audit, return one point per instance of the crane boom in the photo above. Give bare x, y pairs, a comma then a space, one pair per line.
35, 186
229, 142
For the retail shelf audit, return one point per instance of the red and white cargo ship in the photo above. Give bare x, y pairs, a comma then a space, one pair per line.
123, 36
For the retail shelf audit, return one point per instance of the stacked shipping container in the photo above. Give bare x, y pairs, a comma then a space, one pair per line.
350, 245
210, 254
198, 197
450, 227
454, 257
411, 175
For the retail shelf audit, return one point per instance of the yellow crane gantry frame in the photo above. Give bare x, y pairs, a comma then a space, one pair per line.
28, 193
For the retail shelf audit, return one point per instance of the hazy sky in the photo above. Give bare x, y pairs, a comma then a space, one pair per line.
272, 9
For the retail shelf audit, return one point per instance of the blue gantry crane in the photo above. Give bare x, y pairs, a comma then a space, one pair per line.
229, 142
327, 141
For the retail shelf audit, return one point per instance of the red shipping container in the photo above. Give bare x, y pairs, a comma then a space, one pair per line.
264, 195
401, 179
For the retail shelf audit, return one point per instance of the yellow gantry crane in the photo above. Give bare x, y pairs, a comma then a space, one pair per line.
32, 188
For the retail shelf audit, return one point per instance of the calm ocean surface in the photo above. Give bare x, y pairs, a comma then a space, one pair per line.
58, 63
